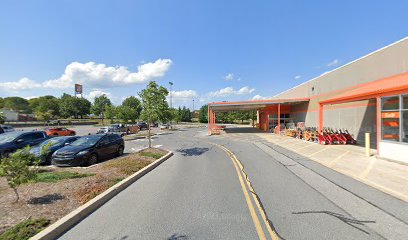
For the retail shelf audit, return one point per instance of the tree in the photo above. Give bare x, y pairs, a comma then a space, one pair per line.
16, 168
110, 112
154, 104
134, 103
202, 117
17, 103
67, 106
186, 114
126, 113
174, 115
2, 118
1, 102
45, 105
99, 105
83, 106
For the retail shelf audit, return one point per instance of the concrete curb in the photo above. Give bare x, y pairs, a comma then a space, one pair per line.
70, 220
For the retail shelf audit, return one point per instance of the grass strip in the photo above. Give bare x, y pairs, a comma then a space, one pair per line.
51, 177
25, 229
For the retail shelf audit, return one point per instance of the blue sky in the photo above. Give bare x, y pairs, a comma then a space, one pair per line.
210, 50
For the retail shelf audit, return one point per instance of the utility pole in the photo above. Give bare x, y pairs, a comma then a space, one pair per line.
171, 99
193, 104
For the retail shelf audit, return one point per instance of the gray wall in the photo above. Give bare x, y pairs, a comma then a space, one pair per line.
360, 118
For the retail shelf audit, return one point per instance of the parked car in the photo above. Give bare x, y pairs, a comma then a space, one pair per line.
60, 132
88, 150
12, 141
104, 130
142, 125
5, 129
53, 145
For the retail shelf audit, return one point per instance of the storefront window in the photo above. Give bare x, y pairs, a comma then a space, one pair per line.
394, 118
390, 103
405, 102
404, 119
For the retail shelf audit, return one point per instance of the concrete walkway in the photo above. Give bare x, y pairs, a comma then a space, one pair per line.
387, 176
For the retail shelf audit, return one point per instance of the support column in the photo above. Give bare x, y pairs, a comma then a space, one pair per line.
279, 125
378, 122
209, 120
320, 121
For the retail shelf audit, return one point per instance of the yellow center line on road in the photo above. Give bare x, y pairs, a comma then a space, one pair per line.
255, 219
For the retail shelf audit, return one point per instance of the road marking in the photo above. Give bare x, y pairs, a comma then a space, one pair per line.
321, 150
338, 158
368, 169
255, 219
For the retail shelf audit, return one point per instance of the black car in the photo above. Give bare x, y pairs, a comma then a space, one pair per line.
89, 150
12, 141
142, 125
53, 145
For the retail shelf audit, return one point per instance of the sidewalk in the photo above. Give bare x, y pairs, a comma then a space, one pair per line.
387, 176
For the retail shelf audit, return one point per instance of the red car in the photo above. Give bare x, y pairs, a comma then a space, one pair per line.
60, 132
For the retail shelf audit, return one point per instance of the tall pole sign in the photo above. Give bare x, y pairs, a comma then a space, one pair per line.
78, 90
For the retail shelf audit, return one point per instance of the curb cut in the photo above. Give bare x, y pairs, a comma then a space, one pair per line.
68, 221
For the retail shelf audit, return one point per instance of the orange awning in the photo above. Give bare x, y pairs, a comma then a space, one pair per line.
394, 85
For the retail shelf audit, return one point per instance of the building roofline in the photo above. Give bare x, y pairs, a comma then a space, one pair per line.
342, 66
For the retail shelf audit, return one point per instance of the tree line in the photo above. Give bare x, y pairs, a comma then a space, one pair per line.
227, 117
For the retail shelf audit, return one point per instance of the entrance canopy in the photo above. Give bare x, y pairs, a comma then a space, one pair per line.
252, 105
394, 85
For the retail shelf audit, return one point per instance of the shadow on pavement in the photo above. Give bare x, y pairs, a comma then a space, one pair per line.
229, 129
349, 221
192, 151
177, 237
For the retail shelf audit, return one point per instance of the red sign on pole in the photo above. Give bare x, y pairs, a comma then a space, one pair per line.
78, 88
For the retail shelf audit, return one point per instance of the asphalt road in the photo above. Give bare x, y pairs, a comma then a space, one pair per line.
220, 188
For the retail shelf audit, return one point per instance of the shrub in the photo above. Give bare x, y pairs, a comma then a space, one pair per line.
16, 168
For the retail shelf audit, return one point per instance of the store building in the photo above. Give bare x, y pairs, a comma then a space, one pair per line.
368, 95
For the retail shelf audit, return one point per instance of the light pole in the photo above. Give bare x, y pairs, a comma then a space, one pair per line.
171, 100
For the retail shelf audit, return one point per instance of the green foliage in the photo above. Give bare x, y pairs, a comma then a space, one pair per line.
2, 118
134, 103
126, 113
44, 116
110, 112
16, 168
45, 104
16, 103
175, 115
1, 102
51, 177
203, 115
100, 104
73, 106
186, 114
25, 229
155, 107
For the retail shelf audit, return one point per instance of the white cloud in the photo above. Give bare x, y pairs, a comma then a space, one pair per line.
22, 84
97, 93
31, 97
228, 91
184, 94
100, 75
259, 97
245, 91
298, 77
333, 63
92, 74
229, 77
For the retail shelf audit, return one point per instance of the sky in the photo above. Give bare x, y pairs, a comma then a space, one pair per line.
210, 50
